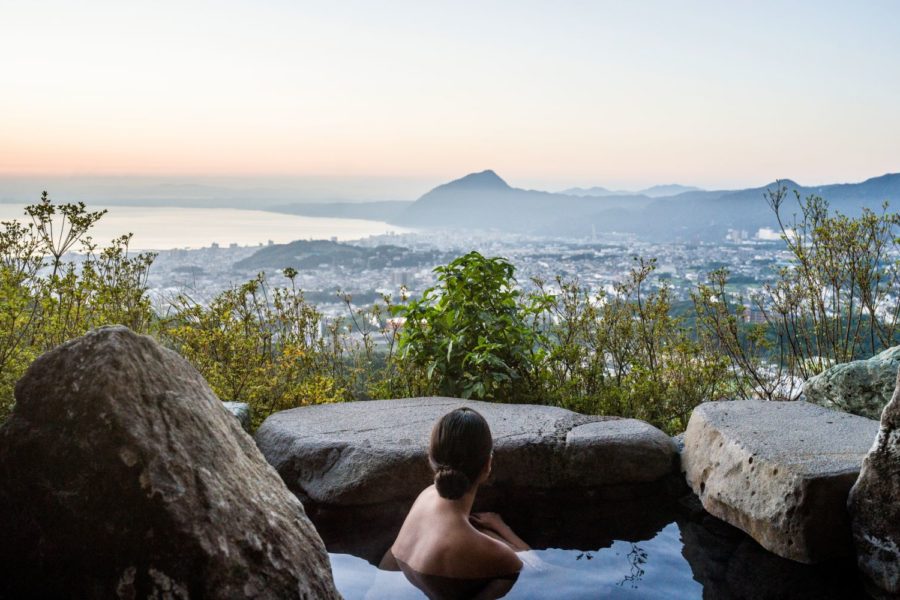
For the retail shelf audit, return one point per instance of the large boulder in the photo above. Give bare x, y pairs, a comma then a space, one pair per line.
363, 453
874, 504
123, 476
861, 387
780, 471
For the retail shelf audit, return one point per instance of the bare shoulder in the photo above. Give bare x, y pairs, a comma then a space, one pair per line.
415, 520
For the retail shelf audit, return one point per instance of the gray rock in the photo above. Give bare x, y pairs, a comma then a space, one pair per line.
874, 504
780, 471
363, 453
122, 475
241, 410
861, 387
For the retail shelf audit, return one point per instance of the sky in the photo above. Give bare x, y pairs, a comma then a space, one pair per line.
411, 94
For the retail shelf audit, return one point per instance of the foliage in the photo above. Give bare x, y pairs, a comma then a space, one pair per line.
625, 353
56, 284
258, 344
471, 333
376, 368
834, 302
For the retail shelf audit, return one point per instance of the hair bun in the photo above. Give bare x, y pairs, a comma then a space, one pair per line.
451, 483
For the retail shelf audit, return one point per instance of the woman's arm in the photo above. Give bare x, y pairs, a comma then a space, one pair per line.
488, 522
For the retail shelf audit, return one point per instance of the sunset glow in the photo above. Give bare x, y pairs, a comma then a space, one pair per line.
705, 93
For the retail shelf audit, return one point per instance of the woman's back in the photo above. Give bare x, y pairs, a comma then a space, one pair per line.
437, 540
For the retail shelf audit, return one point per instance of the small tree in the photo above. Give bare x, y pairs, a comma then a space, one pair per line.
834, 302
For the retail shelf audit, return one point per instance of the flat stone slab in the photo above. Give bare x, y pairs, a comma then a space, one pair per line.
360, 453
781, 471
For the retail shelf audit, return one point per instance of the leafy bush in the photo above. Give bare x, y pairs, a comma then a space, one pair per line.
476, 336
471, 334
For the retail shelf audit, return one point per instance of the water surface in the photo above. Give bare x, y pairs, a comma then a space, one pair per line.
163, 228
596, 548
651, 569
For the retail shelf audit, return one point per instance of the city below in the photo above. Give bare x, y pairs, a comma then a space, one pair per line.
386, 264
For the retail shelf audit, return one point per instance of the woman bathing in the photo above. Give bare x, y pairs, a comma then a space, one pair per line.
443, 548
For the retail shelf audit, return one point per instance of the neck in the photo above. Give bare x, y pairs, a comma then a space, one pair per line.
463, 504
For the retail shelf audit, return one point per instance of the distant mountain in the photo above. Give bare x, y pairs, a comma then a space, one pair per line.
672, 189
657, 191
708, 215
484, 201
593, 191
485, 180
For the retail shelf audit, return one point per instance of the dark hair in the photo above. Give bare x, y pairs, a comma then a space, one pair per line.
461, 445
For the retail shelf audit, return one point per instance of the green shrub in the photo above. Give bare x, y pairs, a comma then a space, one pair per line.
475, 335
471, 334
625, 353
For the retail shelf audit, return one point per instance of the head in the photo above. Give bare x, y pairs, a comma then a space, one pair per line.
460, 452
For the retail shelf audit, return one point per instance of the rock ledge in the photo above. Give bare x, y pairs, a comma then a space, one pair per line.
362, 453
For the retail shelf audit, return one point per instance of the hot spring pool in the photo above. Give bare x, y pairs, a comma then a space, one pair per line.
599, 550
651, 569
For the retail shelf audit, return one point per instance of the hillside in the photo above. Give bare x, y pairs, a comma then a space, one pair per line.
314, 254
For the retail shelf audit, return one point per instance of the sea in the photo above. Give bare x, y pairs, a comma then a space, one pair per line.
165, 228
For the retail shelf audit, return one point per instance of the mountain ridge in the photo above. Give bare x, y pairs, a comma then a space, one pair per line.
487, 179
697, 214
655, 191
